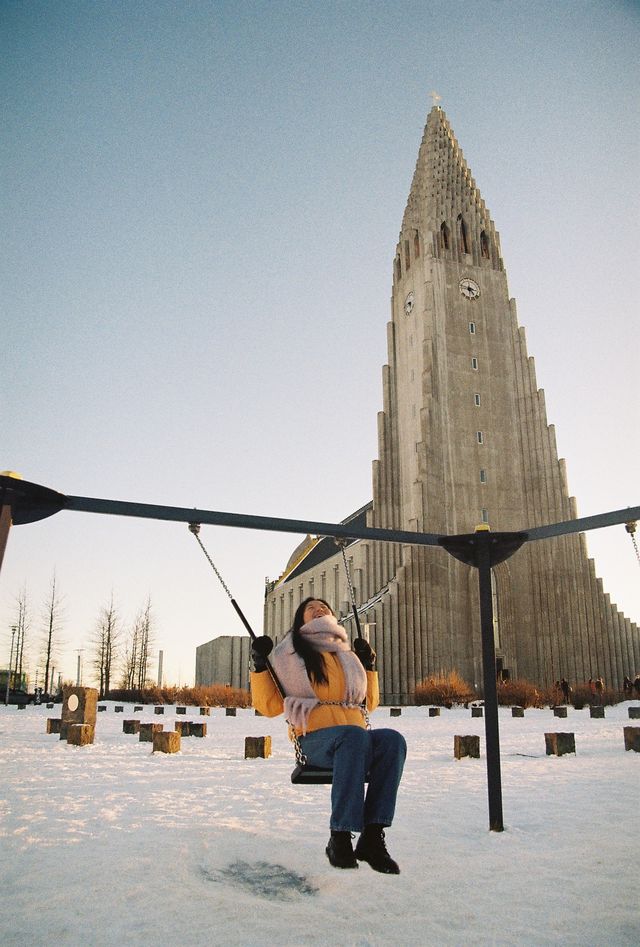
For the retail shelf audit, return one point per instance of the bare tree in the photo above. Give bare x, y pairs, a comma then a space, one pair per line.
52, 619
138, 650
22, 626
105, 641
145, 624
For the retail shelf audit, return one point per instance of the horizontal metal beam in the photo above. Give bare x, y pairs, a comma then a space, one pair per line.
180, 514
586, 523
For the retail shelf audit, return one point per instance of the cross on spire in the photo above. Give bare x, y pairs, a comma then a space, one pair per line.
435, 98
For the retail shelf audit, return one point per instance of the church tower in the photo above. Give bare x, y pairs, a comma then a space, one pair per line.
463, 439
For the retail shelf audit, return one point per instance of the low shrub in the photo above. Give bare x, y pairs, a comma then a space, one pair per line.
583, 697
520, 693
444, 690
215, 695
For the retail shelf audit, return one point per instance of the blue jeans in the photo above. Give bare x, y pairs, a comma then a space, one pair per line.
352, 753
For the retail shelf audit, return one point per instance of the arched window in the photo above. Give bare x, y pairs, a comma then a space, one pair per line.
444, 233
462, 235
484, 246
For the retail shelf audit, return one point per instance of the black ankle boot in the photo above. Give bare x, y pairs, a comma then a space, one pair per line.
371, 848
340, 851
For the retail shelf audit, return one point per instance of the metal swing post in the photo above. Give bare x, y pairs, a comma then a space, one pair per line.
483, 550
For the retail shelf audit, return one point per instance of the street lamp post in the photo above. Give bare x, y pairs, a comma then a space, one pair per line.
6, 695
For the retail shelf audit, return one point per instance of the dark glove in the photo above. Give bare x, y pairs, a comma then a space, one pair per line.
260, 650
365, 652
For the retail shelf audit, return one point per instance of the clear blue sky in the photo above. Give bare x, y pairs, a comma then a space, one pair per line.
200, 205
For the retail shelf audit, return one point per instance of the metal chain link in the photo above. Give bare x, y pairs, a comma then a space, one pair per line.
195, 529
631, 529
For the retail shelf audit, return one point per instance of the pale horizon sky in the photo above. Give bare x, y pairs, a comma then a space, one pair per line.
201, 204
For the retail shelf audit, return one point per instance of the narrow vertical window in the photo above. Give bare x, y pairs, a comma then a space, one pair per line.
484, 246
398, 268
416, 245
485, 515
462, 235
474, 363
483, 476
476, 399
480, 437
407, 255
472, 328
444, 234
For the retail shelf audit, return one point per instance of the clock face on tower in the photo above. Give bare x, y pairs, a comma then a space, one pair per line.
469, 288
408, 304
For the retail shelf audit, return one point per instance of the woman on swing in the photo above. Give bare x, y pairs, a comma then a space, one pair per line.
327, 685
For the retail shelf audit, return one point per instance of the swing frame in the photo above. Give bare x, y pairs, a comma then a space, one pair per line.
24, 502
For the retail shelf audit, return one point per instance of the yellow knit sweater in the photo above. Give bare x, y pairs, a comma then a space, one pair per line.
268, 701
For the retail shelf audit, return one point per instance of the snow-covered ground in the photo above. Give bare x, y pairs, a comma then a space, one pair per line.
112, 844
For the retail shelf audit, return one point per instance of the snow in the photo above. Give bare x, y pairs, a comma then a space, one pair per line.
111, 844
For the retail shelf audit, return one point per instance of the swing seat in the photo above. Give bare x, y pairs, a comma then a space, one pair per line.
311, 775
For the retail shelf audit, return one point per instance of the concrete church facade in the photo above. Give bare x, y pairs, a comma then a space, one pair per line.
463, 439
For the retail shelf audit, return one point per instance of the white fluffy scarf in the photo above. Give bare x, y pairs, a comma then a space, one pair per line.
323, 634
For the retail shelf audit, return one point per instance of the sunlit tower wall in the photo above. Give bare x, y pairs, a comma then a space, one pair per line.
463, 440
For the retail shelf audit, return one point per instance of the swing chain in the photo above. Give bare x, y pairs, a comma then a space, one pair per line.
343, 544
631, 529
195, 529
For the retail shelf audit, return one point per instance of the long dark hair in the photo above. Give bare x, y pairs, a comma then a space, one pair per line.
313, 660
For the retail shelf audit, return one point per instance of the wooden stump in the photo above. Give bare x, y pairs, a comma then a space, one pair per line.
21, 706
230, 711
131, 726
466, 746
147, 731
560, 743
257, 748
632, 739
158, 710
257, 713
198, 729
596, 712
205, 711
182, 727
119, 709
477, 711
51, 706
559, 711
53, 724
634, 713
80, 734
181, 710
166, 741
434, 711
517, 711
137, 709
395, 711
101, 707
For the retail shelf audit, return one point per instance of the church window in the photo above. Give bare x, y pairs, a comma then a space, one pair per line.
311, 588
484, 245
474, 363
407, 255
444, 233
483, 476
416, 245
476, 399
480, 437
485, 515
462, 235
398, 268
472, 328
323, 585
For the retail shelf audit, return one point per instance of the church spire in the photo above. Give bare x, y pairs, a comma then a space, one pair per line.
445, 206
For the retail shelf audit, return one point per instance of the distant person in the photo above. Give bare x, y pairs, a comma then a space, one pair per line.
627, 686
566, 690
327, 686
599, 689
636, 685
